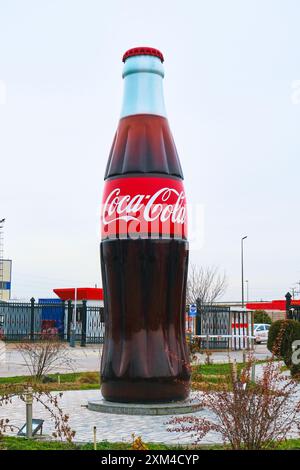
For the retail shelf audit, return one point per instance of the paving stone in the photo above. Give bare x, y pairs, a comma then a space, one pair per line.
109, 427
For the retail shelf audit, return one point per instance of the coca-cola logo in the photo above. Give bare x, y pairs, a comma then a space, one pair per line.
143, 206
124, 206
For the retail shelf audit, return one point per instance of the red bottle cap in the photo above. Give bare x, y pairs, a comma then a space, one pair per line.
143, 51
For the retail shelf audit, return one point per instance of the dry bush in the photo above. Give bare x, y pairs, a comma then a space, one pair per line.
46, 356
49, 401
253, 415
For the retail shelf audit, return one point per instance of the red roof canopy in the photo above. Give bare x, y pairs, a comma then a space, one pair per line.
83, 293
273, 305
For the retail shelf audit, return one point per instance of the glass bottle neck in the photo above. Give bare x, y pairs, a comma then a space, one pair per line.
143, 86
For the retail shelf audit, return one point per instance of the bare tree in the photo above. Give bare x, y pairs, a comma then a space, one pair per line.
206, 284
44, 357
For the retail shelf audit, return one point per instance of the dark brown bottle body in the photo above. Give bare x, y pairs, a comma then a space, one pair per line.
145, 356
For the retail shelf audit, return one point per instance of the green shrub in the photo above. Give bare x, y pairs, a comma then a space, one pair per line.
282, 334
295, 371
260, 316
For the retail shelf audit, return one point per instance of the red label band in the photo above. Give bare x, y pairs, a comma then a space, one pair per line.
138, 207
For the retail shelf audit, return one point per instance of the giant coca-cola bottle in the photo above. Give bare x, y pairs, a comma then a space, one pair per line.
144, 248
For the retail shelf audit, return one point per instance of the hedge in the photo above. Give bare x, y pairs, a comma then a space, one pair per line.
282, 334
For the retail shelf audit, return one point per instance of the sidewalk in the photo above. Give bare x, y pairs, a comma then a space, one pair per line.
260, 353
85, 359
113, 428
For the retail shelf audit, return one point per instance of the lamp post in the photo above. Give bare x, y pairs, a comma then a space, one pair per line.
28, 401
293, 292
242, 266
247, 290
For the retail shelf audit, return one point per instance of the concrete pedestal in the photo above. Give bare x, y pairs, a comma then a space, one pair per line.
189, 405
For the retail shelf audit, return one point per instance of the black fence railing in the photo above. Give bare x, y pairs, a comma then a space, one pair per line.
294, 312
213, 320
37, 321
220, 327
292, 309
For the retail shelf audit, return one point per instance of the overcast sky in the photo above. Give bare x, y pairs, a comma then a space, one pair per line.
233, 103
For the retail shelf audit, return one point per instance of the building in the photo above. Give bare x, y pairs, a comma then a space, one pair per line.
5, 279
276, 309
93, 295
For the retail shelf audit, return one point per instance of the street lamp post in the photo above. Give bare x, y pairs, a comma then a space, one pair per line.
242, 266
247, 290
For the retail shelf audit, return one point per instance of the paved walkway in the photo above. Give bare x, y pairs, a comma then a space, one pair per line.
110, 427
84, 359
114, 428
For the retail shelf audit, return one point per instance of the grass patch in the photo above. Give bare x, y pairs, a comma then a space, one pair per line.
207, 377
21, 443
212, 369
212, 377
290, 444
61, 382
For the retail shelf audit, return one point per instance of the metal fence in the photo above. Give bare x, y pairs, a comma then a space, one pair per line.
213, 320
292, 309
19, 321
31, 321
293, 312
217, 327
90, 326
220, 327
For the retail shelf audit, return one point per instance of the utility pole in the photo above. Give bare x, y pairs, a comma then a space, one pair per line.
298, 284
242, 266
293, 292
247, 282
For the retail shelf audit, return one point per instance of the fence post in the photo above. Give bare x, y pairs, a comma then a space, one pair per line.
198, 317
83, 323
253, 375
69, 320
32, 300
288, 299
62, 331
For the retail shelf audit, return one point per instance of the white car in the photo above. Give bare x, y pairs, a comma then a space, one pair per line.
261, 332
